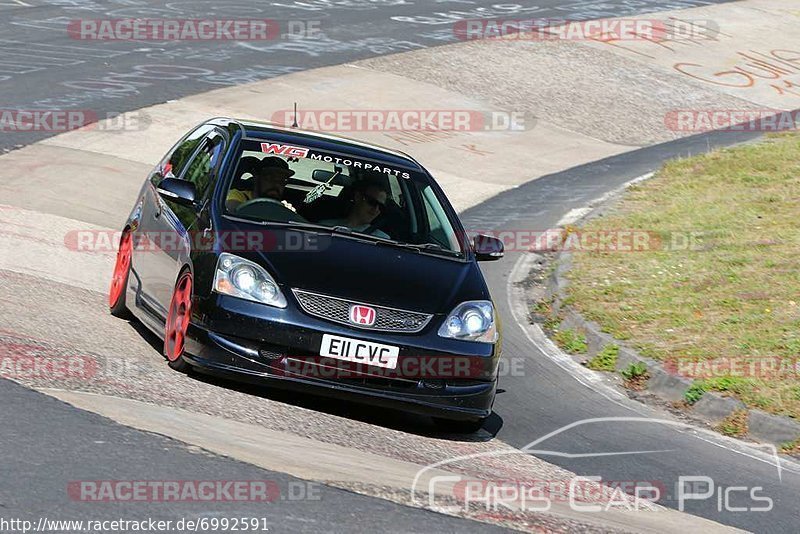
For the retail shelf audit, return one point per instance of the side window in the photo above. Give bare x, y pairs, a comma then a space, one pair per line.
199, 170
174, 162
434, 223
439, 227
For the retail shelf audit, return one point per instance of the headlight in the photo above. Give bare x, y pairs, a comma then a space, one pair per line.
471, 321
241, 278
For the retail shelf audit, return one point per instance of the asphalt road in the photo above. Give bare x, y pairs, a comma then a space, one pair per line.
543, 398
43, 68
53, 448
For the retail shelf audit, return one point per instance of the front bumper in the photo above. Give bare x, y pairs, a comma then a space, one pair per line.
250, 342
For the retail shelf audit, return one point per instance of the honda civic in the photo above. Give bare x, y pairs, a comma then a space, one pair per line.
321, 264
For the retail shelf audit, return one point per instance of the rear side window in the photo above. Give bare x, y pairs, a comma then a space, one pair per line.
199, 170
174, 163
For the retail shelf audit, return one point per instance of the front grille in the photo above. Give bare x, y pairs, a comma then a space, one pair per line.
338, 310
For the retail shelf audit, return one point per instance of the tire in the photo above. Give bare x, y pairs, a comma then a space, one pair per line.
178, 317
453, 426
119, 279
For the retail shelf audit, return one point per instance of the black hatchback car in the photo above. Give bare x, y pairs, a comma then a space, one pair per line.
262, 253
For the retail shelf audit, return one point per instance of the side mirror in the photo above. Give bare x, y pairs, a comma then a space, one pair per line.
487, 248
179, 191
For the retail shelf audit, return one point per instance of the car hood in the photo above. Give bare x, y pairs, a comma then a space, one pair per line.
362, 271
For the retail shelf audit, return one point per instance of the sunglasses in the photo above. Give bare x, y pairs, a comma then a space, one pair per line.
374, 202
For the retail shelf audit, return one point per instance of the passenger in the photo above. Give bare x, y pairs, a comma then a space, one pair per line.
247, 165
269, 181
368, 202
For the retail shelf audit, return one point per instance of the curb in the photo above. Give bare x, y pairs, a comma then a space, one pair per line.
670, 387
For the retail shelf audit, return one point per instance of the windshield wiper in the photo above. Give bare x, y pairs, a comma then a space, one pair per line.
346, 231
419, 247
349, 232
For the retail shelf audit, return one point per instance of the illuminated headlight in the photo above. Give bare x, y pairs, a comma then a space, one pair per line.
241, 278
471, 321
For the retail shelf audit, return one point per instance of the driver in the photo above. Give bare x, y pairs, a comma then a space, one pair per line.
369, 201
270, 176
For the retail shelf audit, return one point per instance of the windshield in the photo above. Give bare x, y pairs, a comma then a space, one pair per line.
293, 184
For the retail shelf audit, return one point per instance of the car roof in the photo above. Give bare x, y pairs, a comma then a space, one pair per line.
324, 142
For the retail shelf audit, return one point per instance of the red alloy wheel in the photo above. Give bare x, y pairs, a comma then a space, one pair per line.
120, 276
180, 310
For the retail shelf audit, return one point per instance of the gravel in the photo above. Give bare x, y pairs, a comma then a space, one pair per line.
573, 86
52, 321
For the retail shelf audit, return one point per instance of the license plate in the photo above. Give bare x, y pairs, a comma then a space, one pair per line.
357, 351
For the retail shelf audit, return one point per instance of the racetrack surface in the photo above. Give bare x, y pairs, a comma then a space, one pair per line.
544, 399
63, 445
43, 68
527, 405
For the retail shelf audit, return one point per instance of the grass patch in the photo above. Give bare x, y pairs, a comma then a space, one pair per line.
571, 341
636, 376
634, 370
735, 425
551, 324
605, 360
728, 384
717, 274
543, 307
543, 312
694, 393
792, 447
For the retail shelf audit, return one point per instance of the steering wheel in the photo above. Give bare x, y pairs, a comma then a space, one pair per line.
268, 209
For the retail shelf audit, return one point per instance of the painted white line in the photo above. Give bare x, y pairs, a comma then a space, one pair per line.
538, 338
574, 216
620, 189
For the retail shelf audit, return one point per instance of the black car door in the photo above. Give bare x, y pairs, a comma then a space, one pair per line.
168, 225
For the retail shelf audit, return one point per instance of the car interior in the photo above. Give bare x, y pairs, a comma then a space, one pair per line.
320, 191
